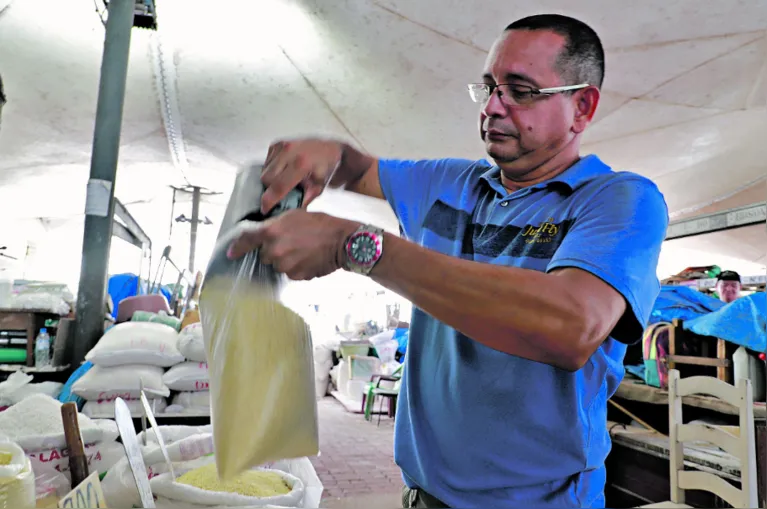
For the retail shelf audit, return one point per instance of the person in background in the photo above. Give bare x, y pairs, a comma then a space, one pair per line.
528, 276
728, 286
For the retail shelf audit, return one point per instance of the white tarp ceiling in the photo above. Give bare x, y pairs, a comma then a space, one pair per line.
685, 97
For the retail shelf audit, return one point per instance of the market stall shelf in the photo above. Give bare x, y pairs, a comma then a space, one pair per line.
646, 480
29, 321
635, 390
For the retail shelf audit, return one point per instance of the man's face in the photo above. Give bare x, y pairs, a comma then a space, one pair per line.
521, 137
728, 290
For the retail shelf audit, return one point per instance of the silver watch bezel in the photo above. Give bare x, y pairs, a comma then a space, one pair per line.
351, 264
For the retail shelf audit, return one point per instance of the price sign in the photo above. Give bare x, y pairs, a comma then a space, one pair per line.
87, 494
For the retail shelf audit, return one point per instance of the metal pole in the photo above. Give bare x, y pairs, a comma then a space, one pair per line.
99, 204
195, 221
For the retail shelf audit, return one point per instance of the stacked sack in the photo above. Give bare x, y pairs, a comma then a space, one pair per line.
190, 378
127, 355
35, 425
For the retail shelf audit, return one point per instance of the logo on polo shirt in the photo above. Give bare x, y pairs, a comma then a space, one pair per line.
473, 238
542, 234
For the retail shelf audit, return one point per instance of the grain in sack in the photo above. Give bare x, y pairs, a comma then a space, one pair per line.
187, 376
34, 424
147, 343
106, 384
190, 451
181, 495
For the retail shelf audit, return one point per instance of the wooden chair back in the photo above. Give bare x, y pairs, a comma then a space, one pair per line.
742, 446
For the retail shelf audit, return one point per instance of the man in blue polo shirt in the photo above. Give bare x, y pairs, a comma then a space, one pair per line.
528, 275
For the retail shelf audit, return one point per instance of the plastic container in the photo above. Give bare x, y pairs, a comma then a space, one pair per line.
43, 349
747, 365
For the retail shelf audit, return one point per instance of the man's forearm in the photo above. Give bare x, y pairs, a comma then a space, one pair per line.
354, 164
518, 311
358, 172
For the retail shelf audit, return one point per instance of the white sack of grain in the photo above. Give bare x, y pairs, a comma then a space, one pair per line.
119, 485
187, 376
106, 384
153, 344
189, 450
174, 494
191, 343
101, 457
106, 409
35, 425
173, 434
198, 400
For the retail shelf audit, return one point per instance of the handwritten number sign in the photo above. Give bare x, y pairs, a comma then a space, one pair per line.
87, 494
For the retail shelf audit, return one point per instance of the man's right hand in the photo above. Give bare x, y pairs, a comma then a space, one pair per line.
314, 164
309, 164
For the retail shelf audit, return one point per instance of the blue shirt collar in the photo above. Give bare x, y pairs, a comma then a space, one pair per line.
576, 175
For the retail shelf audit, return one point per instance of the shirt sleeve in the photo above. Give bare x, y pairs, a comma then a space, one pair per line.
412, 187
617, 237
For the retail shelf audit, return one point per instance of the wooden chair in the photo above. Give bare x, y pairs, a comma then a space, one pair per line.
741, 446
720, 362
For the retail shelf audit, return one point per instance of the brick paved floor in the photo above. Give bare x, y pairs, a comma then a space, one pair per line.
356, 457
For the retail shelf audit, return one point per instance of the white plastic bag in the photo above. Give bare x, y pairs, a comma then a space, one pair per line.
261, 370
191, 343
107, 384
106, 409
17, 479
147, 343
163, 486
187, 376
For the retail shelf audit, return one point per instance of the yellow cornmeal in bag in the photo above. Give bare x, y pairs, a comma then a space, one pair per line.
5, 458
261, 377
253, 483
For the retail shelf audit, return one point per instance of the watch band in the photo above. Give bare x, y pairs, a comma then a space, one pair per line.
366, 236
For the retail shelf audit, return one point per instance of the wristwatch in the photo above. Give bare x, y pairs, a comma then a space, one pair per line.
363, 249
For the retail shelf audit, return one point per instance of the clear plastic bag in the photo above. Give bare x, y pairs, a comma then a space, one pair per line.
259, 352
17, 480
260, 363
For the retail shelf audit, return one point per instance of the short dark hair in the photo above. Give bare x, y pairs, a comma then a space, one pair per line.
728, 275
583, 58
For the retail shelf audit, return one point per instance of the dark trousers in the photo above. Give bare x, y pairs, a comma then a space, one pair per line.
417, 498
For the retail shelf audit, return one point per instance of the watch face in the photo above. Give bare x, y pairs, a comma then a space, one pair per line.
364, 248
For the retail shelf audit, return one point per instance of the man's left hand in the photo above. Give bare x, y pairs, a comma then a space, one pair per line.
303, 245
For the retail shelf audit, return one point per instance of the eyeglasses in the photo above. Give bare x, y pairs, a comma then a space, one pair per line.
515, 94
